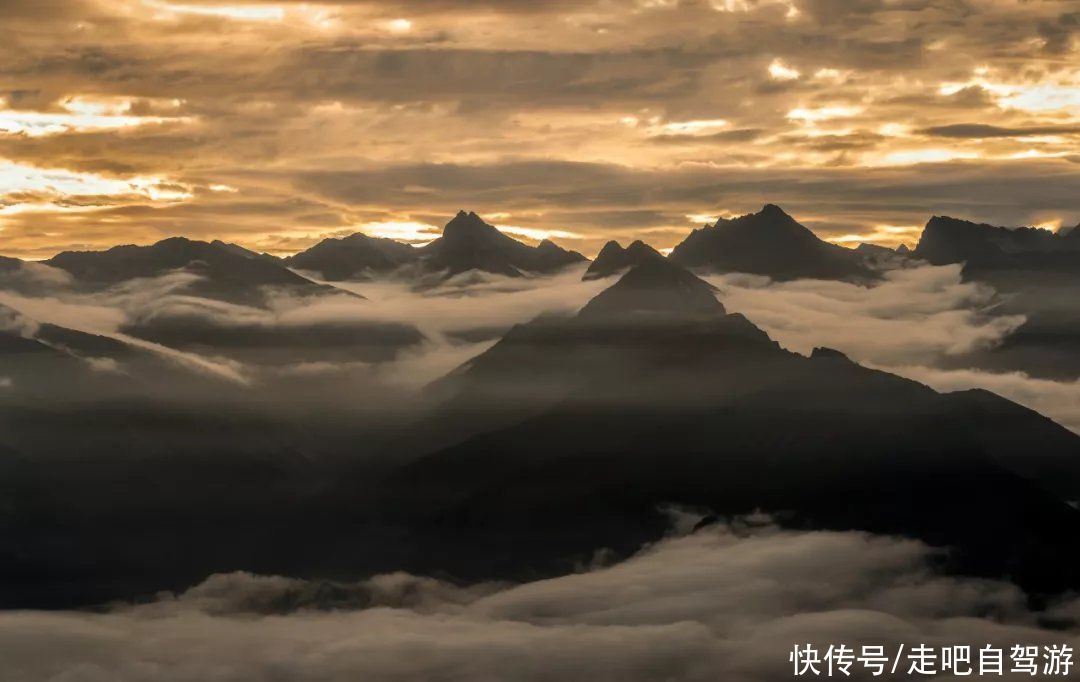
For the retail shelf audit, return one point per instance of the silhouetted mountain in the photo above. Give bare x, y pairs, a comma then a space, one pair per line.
614, 259
769, 243
357, 257
1038, 273
219, 271
949, 240
654, 288
881, 257
588, 424
468, 243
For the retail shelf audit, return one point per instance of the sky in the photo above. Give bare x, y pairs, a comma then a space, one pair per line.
275, 124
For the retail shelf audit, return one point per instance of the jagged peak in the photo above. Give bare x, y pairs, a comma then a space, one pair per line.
823, 352
467, 223
612, 247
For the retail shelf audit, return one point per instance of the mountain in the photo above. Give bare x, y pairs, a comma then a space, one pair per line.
217, 270
950, 240
655, 288
1036, 271
582, 427
614, 259
356, 257
468, 243
770, 243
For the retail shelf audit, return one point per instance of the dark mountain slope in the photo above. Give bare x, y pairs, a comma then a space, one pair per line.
632, 408
769, 243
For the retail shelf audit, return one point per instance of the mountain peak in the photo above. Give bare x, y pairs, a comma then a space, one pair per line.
468, 224
656, 287
773, 210
769, 242
613, 258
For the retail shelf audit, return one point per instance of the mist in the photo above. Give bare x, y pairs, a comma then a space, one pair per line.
726, 602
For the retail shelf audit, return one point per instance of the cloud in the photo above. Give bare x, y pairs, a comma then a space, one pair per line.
724, 603
913, 316
982, 130
474, 88
906, 325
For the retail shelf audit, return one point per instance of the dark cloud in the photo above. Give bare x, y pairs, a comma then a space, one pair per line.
982, 130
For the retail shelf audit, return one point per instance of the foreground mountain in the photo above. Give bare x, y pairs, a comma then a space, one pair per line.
357, 257
652, 395
213, 270
1036, 271
613, 259
770, 243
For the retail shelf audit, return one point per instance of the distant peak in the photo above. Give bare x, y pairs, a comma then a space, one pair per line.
466, 223
639, 250
655, 286
773, 210
174, 241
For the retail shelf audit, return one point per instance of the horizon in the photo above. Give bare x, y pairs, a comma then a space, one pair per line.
517, 234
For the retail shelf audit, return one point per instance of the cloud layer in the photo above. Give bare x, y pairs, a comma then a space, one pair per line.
273, 123
724, 603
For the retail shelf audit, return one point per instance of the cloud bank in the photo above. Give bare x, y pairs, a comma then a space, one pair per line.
725, 603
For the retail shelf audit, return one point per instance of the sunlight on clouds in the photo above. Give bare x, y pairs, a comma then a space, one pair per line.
1052, 225
241, 12
537, 234
779, 71
49, 187
693, 127
1060, 92
408, 231
914, 156
811, 116
751, 5
882, 235
398, 25
79, 115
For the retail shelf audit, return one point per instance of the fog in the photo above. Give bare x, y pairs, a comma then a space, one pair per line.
904, 324
725, 603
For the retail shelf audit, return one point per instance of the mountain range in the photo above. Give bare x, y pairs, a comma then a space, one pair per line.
653, 395
467, 244
122, 475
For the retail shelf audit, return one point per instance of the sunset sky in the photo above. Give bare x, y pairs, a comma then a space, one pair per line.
274, 124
